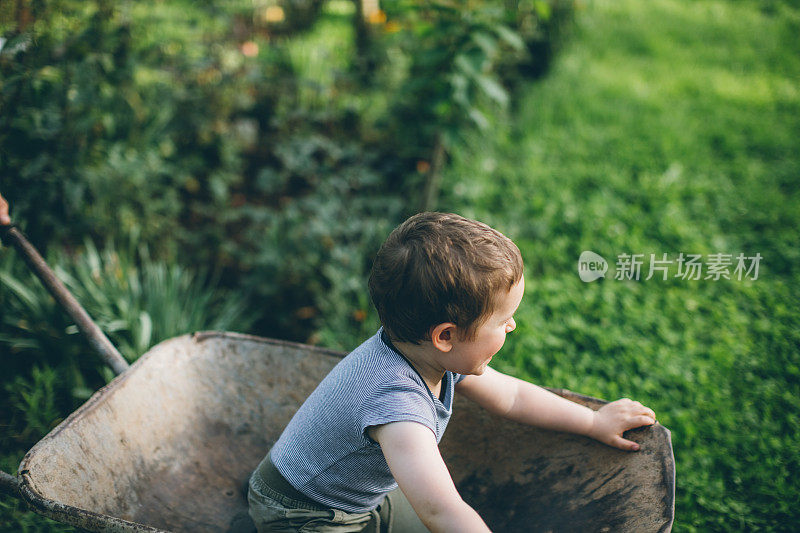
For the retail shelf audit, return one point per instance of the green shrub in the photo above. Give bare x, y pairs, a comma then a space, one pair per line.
145, 120
138, 302
309, 255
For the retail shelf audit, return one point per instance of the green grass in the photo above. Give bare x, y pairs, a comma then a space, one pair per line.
665, 126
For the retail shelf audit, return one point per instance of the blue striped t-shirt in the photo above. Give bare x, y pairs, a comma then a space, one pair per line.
325, 452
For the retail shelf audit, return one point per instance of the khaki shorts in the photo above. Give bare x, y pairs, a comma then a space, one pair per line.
273, 511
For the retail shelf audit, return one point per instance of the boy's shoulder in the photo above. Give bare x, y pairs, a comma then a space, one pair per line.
375, 365
375, 357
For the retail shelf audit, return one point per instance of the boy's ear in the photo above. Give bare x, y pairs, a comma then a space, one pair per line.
443, 335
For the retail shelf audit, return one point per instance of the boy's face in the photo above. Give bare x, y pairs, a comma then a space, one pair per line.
472, 356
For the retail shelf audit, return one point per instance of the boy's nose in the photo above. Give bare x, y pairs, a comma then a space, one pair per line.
511, 326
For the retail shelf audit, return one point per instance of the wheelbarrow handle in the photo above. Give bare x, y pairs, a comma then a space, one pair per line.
8, 232
9, 484
96, 337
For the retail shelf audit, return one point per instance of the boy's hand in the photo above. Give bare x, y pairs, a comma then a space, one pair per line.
5, 220
614, 418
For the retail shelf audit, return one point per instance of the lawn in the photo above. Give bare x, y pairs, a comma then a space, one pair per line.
665, 127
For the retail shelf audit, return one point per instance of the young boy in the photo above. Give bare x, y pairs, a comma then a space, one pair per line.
446, 289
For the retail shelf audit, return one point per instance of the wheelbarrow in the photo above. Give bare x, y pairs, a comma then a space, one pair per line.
169, 444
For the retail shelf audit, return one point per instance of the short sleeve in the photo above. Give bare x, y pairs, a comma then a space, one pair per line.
396, 403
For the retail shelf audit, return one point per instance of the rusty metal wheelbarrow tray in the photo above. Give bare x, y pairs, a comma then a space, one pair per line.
169, 445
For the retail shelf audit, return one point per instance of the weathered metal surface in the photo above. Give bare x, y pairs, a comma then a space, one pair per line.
169, 445
521, 478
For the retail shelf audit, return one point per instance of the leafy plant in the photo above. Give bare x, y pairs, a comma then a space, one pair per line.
35, 398
140, 306
305, 238
138, 302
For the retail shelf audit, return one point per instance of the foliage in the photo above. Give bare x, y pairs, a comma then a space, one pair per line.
134, 299
36, 400
456, 64
139, 120
60, 88
452, 54
310, 253
542, 26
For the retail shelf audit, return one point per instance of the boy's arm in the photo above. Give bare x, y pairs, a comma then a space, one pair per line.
413, 457
518, 400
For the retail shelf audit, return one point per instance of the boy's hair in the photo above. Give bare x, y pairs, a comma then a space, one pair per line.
441, 267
